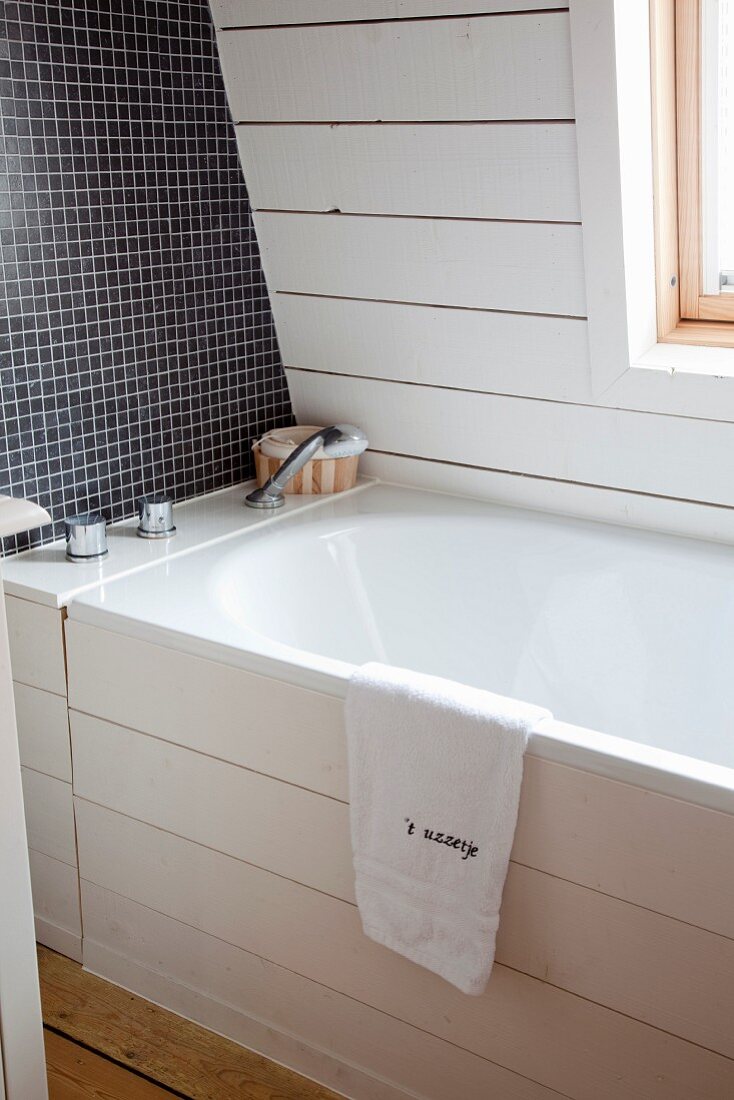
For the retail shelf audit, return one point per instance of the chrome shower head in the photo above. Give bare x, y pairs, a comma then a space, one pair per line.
343, 440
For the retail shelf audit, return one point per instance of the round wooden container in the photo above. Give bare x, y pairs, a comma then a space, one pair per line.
320, 475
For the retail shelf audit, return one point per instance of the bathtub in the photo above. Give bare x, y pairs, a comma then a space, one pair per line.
626, 636
210, 792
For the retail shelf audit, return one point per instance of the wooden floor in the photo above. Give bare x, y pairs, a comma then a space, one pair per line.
107, 1044
75, 1073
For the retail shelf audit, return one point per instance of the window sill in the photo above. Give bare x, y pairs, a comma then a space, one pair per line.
678, 379
681, 353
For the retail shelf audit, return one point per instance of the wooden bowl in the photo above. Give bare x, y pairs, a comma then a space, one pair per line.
320, 475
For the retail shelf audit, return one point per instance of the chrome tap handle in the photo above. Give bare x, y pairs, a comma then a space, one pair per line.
86, 537
156, 517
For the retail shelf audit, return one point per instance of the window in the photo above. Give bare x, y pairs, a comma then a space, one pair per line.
643, 353
693, 97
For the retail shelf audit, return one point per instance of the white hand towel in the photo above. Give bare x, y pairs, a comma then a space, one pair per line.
434, 774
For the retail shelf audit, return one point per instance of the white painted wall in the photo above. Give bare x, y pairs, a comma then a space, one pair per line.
415, 179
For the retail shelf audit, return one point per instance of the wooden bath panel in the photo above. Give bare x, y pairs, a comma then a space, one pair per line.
660, 853
528, 1026
606, 950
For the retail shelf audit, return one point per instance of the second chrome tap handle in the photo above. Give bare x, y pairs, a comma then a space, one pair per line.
156, 517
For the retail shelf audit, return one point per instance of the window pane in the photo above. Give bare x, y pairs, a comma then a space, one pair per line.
725, 158
717, 145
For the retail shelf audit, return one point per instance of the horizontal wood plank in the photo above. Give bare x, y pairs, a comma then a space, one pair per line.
55, 888
661, 853
204, 712
260, 1004
261, 13
297, 834
607, 950
527, 171
49, 816
526, 267
684, 458
482, 67
479, 350
43, 731
586, 1049
36, 644
665, 972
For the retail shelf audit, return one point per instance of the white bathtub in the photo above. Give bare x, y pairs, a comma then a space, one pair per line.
626, 636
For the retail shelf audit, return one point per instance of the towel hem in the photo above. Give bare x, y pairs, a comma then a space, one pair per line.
480, 924
471, 986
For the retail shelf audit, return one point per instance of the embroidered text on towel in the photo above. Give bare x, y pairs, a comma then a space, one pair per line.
468, 847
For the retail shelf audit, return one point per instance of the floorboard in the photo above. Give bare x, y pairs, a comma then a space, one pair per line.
165, 1048
77, 1074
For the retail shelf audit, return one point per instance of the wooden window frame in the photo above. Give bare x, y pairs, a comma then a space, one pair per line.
630, 365
685, 314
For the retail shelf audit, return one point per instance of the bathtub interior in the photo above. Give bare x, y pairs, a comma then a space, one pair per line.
616, 630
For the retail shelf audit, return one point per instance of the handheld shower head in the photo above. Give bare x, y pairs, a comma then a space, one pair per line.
342, 440
337, 441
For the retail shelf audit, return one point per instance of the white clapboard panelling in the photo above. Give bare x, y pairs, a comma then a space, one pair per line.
658, 852
598, 947
526, 171
226, 712
578, 1047
49, 816
578, 826
291, 831
58, 939
263, 13
665, 972
484, 67
468, 349
520, 266
599, 446
36, 644
56, 907
43, 731
675, 517
224, 987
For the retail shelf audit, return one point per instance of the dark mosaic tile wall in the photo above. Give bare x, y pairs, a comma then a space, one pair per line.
137, 348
